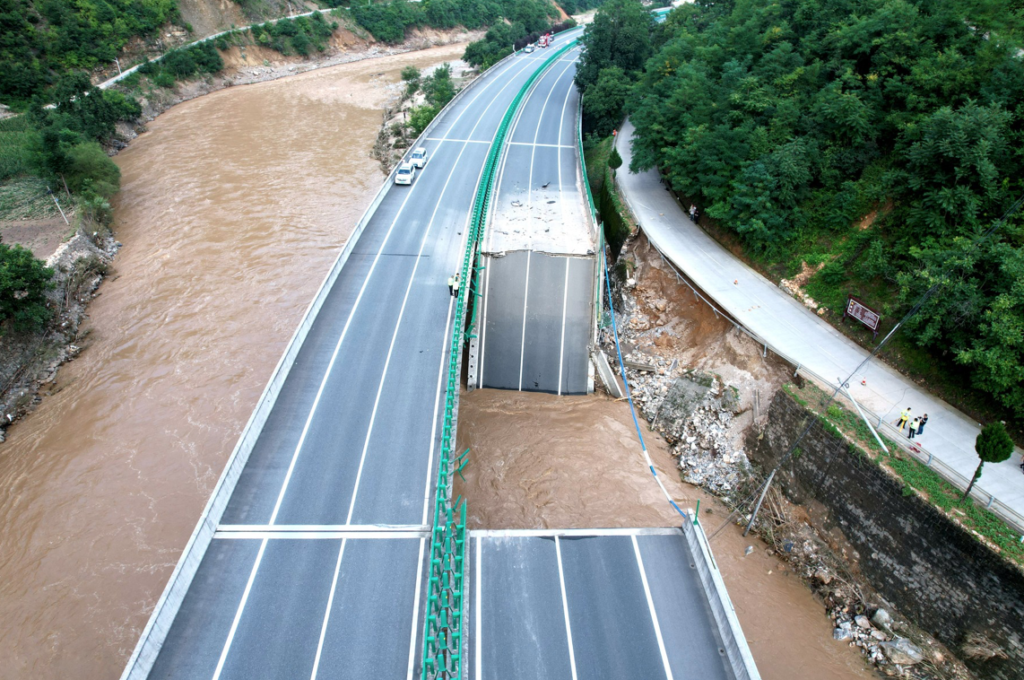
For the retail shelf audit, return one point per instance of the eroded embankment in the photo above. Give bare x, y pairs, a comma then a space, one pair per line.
232, 209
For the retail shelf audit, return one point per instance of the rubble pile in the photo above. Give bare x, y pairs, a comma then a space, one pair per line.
860, 617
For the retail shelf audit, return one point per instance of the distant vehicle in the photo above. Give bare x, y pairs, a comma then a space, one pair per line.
418, 157
405, 174
545, 40
529, 48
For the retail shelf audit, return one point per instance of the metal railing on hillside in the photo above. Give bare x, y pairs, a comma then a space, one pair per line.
442, 628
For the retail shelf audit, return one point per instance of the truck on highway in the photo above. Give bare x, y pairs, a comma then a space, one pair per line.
544, 40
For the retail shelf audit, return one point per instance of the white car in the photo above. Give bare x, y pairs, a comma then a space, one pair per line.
418, 157
529, 48
405, 174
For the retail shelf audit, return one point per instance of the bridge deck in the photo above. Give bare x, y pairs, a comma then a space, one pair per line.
602, 604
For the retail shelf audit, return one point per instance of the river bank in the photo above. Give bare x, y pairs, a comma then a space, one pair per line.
233, 207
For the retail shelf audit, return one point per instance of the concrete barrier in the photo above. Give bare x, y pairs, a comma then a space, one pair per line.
734, 644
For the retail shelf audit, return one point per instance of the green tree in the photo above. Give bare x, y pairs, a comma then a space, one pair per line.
439, 88
993, 445
620, 35
603, 104
24, 281
614, 159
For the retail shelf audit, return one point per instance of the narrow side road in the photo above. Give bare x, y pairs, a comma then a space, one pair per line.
792, 331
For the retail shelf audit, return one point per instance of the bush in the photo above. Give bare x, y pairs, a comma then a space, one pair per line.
420, 117
91, 170
24, 281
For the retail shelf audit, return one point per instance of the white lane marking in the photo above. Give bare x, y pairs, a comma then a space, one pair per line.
561, 208
352, 528
238, 612
549, 146
327, 611
441, 140
526, 304
654, 614
437, 405
362, 289
529, 203
318, 535
565, 607
401, 312
533, 533
330, 366
420, 566
334, 356
565, 303
478, 652
483, 327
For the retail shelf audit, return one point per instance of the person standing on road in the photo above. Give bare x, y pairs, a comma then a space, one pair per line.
455, 285
693, 212
920, 424
913, 428
904, 417
451, 285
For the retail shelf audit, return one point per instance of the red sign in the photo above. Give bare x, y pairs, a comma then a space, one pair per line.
861, 312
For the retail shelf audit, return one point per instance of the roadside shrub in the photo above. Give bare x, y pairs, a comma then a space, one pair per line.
24, 281
90, 169
420, 117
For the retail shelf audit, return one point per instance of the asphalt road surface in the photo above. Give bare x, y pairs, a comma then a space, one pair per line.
287, 585
589, 605
538, 278
316, 569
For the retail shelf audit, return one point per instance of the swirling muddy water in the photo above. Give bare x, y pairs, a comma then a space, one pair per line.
232, 209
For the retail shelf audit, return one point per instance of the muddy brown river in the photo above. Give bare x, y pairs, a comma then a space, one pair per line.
233, 207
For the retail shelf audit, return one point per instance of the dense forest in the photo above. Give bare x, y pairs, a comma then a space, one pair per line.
877, 141
41, 39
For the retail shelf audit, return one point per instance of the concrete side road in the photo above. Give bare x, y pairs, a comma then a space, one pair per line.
793, 331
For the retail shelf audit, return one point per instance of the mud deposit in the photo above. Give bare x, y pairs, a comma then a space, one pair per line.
232, 210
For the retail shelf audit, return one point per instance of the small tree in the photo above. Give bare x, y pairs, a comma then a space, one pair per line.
24, 281
614, 159
993, 446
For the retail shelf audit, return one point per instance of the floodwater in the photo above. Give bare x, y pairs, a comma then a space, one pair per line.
542, 461
233, 207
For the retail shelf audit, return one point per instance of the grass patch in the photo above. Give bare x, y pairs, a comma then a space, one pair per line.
917, 477
25, 198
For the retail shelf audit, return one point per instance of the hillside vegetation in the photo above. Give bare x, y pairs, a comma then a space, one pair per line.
877, 140
42, 39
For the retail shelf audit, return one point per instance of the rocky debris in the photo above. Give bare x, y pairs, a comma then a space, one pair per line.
29, 361
902, 652
694, 410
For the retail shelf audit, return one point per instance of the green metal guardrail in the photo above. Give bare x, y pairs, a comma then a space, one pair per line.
442, 629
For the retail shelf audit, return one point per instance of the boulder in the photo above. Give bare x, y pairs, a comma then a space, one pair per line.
882, 619
862, 621
902, 651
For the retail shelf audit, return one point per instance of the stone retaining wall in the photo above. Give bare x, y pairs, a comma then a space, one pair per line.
932, 569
